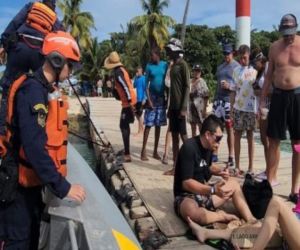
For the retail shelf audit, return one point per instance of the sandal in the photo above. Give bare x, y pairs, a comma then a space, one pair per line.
237, 173
251, 173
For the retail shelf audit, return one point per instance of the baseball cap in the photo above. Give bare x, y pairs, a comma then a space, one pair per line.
175, 45
288, 25
227, 48
197, 67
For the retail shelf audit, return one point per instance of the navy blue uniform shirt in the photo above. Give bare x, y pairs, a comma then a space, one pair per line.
31, 99
18, 24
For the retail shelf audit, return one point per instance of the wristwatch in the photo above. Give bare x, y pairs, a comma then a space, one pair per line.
212, 190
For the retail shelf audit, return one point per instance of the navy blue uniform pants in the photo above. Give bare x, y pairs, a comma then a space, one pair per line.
20, 220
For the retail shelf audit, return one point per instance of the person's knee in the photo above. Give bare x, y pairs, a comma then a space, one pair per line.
276, 203
233, 184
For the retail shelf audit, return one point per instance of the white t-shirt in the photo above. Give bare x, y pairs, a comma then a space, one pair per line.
244, 77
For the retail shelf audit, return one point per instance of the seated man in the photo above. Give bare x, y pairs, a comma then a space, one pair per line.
194, 197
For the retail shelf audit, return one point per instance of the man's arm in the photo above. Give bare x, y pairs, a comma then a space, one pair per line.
196, 187
147, 83
186, 88
268, 79
31, 113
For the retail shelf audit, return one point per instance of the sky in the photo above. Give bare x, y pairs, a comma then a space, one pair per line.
111, 15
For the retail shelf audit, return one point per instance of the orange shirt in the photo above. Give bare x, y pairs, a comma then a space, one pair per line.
124, 87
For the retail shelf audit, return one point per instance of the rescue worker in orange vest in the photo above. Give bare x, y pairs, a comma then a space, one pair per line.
37, 133
123, 90
22, 41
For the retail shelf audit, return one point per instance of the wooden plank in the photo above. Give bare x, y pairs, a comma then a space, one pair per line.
154, 188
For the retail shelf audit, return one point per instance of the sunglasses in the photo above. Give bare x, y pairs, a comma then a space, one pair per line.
218, 138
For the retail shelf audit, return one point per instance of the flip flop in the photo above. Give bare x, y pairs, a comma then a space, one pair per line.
275, 183
261, 175
237, 173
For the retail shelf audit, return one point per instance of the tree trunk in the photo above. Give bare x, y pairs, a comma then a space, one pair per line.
183, 29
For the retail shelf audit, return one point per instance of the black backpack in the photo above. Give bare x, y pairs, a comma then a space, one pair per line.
258, 195
9, 177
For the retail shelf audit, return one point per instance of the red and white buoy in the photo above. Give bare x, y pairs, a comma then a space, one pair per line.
243, 22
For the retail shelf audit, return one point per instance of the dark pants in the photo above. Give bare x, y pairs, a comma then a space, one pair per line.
20, 59
127, 117
20, 220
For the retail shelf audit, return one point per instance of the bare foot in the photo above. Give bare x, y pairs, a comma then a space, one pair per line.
144, 157
156, 156
170, 172
227, 217
127, 158
165, 160
138, 134
198, 231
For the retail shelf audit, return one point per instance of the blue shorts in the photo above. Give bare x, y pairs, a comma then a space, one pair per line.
156, 116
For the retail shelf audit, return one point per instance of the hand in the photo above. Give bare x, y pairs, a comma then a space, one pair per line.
261, 106
225, 84
182, 114
77, 193
133, 109
150, 104
225, 173
222, 191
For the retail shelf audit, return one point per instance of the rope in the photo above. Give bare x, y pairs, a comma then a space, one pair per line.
103, 143
84, 138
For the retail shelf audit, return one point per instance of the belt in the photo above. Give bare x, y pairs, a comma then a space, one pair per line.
286, 91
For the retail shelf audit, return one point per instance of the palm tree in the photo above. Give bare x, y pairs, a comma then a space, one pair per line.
154, 25
76, 22
92, 60
184, 21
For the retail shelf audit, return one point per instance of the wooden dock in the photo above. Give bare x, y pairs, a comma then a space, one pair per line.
153, 206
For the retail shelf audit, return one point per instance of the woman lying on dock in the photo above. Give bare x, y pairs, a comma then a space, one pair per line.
277, 212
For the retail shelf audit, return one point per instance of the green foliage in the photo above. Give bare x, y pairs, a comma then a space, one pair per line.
263, 40
153, 26
76, 22
93, 59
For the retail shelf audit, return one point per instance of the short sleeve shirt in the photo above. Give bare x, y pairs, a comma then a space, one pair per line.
193, 162
244, 77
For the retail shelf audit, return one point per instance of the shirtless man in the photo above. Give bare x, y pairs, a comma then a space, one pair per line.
284, 74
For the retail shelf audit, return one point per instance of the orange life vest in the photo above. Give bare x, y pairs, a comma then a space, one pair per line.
56, 129
41, 18
129, 86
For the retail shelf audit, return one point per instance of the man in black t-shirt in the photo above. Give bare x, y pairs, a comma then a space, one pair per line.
194, 197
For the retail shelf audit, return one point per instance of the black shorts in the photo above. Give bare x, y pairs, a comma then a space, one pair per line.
284, 114
202, 201
139, 109
127, 117
177, 124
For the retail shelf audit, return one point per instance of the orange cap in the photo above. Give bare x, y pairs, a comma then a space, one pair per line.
63, 43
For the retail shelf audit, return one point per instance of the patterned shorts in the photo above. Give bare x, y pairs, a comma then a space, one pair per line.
221, 109
202, 201
156, 116
243, 120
